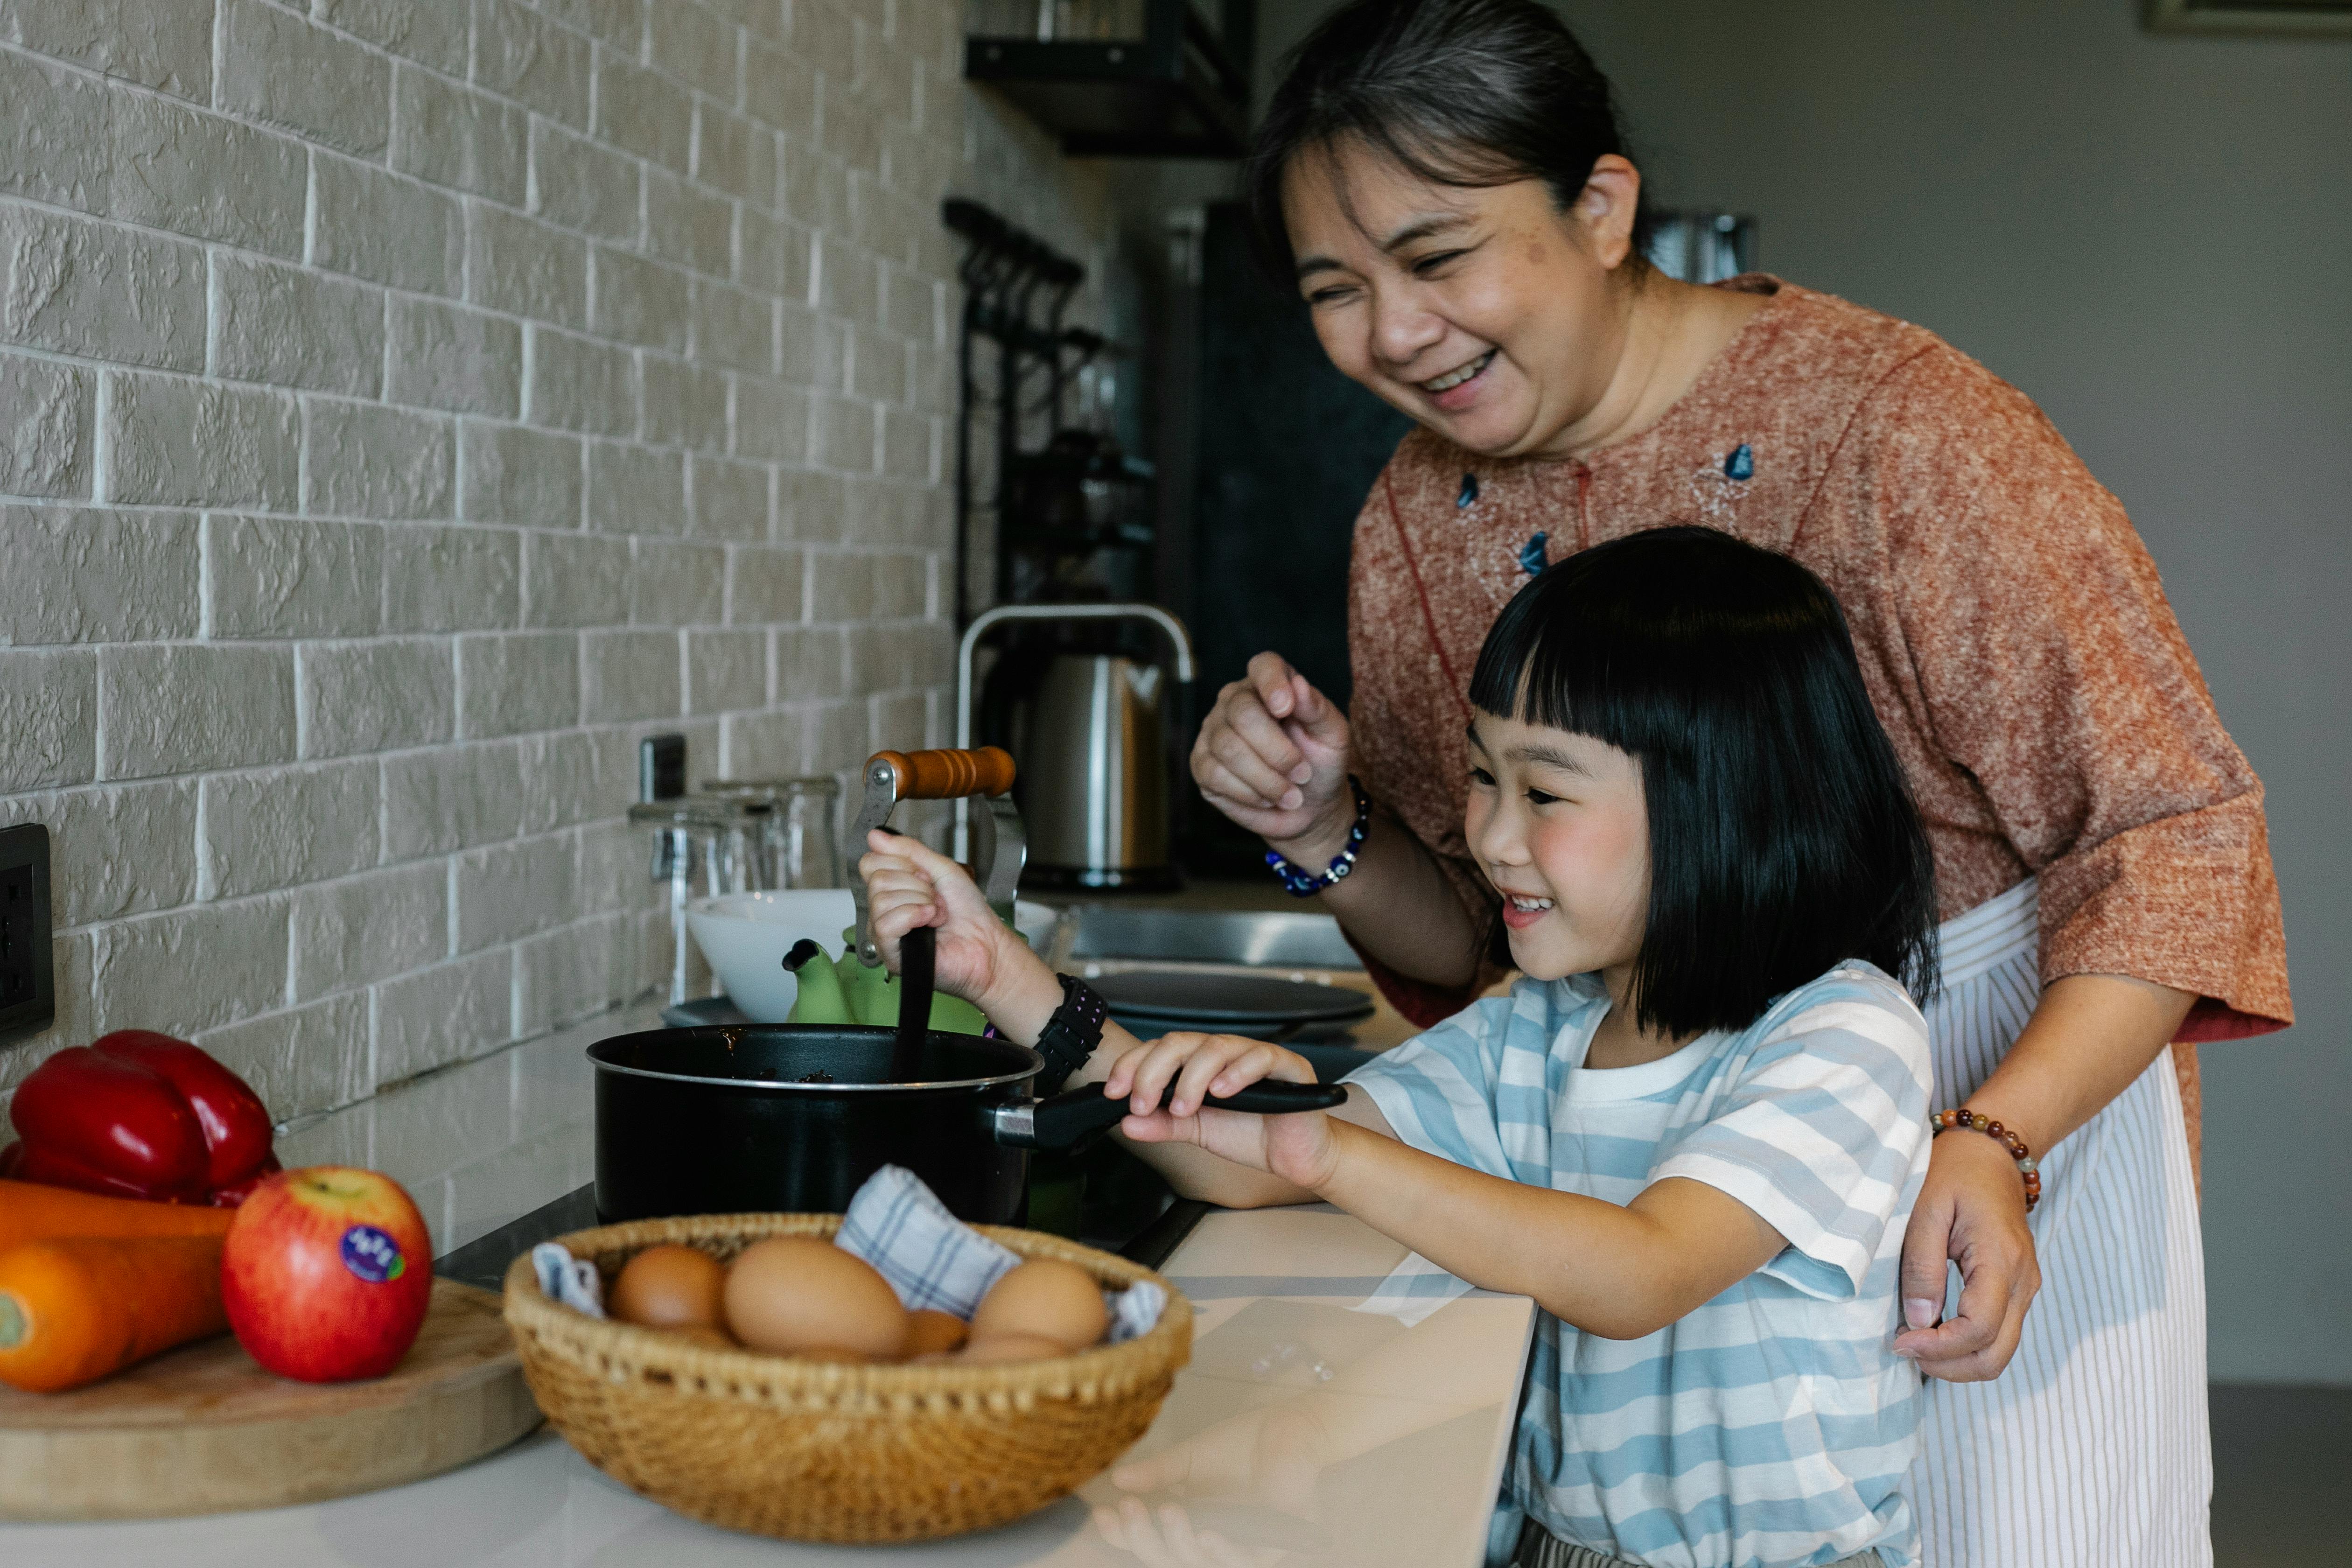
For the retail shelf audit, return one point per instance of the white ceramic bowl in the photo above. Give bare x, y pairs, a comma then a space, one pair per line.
746, 935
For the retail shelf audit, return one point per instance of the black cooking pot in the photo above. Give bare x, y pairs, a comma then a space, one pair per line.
794, 1117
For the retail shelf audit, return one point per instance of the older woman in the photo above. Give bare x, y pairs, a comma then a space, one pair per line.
1445, 183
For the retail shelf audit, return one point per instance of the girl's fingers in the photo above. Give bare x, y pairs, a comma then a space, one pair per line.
1216, 1056
1161, 1062
898, 920
1150, 1073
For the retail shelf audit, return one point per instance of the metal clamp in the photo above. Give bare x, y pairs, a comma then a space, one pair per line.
1002, 848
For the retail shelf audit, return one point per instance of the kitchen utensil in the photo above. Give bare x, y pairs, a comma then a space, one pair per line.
1094, 749
703, 846
793, 1117
798, 842
1261, 1007
999, 844
746, 935
824, 1451
205, 1430
917, 951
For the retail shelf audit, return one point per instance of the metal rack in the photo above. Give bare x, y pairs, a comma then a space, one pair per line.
1017, 290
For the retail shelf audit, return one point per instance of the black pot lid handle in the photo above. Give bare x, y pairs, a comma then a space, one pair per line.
1058, 1122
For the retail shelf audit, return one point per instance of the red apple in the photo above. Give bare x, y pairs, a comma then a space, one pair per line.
327, 1273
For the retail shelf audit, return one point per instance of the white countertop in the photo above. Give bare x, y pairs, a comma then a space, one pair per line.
1303, 1431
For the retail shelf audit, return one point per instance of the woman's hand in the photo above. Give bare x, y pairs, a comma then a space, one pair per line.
1970, 1211
1187, 1069
1272, 755
977, 957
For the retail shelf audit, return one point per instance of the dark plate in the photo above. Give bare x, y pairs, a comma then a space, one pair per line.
1237, 1001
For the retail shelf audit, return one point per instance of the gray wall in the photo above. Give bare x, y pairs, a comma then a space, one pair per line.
403, 410
2153, 238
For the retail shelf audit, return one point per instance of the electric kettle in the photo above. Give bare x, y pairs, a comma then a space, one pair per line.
1093, 752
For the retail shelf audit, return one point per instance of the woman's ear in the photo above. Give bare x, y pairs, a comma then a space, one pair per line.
1604, 209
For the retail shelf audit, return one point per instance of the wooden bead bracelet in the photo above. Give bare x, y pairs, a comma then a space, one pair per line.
1978, 1122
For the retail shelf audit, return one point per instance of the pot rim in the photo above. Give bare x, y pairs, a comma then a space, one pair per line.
1036, 1065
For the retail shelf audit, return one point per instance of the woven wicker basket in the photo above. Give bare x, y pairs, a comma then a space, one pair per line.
814, 1451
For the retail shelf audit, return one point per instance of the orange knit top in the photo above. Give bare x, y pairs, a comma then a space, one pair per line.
2011, 628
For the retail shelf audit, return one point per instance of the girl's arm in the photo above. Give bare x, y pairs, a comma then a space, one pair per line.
909, 885
1617, 1271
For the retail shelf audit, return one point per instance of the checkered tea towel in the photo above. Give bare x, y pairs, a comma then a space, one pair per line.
935, 1261
568, 1280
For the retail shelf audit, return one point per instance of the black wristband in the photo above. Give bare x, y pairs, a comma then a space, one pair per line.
1071, 1034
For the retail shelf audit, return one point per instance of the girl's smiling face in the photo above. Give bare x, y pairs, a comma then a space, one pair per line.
1560, 826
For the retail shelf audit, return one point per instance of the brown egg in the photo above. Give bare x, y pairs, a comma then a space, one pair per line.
929, 1331
669, 1287
834, 1354
796, 1293
1011, 1347
1047, 1298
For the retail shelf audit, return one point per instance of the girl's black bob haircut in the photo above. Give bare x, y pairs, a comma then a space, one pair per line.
1457, 93
1782, 836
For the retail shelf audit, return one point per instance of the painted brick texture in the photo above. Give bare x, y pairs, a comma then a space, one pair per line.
405, 408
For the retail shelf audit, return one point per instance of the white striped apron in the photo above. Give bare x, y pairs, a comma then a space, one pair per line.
2092, 1449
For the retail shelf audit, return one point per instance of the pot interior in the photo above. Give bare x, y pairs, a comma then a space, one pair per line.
811, 1057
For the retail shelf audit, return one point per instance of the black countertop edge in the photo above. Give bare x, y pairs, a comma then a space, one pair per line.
484, 1261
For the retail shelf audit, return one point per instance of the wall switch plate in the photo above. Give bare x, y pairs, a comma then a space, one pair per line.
28, 997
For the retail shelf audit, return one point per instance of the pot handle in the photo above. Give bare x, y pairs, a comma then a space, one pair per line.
1058, 1122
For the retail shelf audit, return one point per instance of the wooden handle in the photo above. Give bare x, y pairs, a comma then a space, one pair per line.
948, 775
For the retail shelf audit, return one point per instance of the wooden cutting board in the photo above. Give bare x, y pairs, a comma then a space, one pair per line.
205, 1430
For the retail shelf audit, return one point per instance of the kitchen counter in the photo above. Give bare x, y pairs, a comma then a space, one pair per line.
1303, 1427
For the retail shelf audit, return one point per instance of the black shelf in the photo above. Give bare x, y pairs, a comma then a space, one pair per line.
1175, 91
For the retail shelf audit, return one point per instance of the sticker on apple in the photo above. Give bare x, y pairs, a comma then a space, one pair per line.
371, 1255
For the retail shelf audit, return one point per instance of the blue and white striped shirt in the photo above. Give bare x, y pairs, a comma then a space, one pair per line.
1772, 1425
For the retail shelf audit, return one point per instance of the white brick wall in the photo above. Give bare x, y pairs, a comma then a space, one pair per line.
406, 408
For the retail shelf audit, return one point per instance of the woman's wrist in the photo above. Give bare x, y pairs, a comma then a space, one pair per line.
1325, 838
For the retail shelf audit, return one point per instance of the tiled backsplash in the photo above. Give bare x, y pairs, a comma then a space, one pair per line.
404, 409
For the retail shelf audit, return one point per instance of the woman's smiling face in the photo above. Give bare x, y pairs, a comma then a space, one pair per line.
1561, 829
1486, 313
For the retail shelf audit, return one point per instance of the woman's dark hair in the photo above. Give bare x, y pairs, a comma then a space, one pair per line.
1459, 93
1782, 836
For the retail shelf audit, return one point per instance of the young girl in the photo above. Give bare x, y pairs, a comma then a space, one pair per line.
1693, 1132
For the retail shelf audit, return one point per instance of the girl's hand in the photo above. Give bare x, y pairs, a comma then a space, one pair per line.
1166, 1079
978, 957
1272, 755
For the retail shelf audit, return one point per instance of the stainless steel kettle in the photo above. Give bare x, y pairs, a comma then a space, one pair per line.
1093, 752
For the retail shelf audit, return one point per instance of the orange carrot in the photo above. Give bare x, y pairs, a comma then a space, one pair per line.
32, 1212
73, 1311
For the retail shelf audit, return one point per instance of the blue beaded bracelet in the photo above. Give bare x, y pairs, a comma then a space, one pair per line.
1304, 885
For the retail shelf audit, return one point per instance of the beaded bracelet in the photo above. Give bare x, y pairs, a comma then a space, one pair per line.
1300, 884
1978, 1122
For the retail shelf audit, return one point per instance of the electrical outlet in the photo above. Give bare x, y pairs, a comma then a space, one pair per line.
28, 997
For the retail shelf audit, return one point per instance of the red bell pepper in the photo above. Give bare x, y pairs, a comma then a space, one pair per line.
235, 1123
140, 1115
